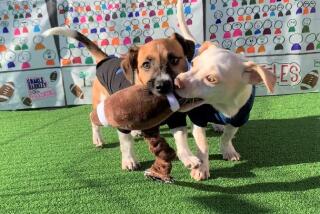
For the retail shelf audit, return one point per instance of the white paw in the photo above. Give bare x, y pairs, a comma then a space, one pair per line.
136, 133
190, 161
218, 128
229, 153
201, 173
97, 141
130, 164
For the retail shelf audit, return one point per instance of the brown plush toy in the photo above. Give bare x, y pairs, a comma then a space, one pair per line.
136, 108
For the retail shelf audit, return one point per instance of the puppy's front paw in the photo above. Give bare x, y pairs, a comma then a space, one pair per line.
97, 141
229, 153
130, 164
136, 133
201, 173
190, 161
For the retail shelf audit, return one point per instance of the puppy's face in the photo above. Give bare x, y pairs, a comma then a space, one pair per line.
214, 73
158, 62
221, 77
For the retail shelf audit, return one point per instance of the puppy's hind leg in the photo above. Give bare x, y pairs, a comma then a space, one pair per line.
128, 161
183, 152
226, 147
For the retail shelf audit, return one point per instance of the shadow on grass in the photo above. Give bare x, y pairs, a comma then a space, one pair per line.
221, 203
301, 185
228, 204
266, 143
110, 145
262, 143
103, 188
144, 165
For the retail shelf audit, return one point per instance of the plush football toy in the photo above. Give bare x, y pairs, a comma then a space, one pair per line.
134, 108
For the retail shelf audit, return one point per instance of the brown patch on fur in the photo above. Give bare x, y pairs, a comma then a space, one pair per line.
161, 48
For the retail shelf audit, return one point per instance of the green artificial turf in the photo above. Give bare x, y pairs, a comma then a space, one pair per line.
49, 165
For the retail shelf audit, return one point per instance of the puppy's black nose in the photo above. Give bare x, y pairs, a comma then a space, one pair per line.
163, 87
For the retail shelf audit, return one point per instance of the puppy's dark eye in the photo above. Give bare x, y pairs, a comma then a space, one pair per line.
174, 60
211, 79
146, 65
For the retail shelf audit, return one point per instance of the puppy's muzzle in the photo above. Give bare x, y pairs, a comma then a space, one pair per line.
161, 85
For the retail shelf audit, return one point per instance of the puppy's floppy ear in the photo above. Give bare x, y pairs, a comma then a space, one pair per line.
207, 45
187, 45
254, 74
129, 63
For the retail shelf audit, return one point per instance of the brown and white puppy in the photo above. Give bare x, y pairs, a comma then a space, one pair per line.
223, 80
155, 64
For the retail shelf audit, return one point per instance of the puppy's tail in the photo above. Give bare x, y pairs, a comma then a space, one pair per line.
182, 22
96, 52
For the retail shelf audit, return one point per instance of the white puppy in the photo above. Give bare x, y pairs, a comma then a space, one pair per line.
225, 81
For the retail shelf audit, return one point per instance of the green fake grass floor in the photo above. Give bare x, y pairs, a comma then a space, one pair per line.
48, 165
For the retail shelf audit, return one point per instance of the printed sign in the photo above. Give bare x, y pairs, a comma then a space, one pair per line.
32, 89
283, 34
